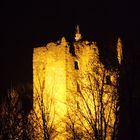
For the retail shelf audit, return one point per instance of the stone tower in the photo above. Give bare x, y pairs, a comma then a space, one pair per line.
68, 84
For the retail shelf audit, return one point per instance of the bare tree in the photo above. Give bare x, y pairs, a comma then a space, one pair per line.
11, 116
43, 114
14, 114
93, 111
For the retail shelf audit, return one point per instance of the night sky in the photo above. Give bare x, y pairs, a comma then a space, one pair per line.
28, 25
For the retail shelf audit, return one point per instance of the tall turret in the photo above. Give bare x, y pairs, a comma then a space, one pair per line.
119, 51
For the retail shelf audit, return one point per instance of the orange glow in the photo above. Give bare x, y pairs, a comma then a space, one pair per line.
119, 51
64, 88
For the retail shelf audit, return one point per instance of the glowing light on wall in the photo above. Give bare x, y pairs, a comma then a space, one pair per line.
68, 84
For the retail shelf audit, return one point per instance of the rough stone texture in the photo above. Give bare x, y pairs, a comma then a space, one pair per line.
59, 75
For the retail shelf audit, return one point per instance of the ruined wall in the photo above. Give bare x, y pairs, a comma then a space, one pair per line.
59, 76
49, 78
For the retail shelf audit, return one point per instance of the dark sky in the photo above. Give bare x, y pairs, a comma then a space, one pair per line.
27, 25
32, 24
41, 22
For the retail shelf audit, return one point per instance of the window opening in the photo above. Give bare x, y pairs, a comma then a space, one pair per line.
76, 65
108, 80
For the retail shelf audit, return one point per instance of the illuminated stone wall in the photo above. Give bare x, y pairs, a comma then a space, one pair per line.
49, 78
59, 75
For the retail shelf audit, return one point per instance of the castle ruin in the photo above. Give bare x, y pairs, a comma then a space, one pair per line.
73, 91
